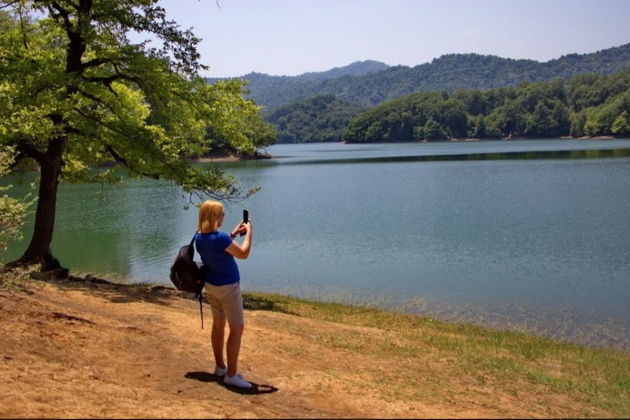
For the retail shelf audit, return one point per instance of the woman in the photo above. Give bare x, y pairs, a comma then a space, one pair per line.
221, 276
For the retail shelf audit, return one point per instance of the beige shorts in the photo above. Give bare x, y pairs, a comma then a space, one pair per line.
226, 302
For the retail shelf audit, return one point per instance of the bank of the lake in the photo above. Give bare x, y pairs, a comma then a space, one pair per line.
526, 235
223, 155
77, 348
491, 139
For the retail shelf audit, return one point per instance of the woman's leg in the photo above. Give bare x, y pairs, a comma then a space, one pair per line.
217, 336
233, 348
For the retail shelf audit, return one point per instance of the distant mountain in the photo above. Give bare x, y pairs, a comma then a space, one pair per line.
358, 68
273, 91
369, 83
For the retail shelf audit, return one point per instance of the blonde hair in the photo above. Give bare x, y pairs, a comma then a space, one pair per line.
210, 213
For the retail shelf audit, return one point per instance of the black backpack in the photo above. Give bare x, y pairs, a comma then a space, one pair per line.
186, 274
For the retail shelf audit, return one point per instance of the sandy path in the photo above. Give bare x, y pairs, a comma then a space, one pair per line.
92, 349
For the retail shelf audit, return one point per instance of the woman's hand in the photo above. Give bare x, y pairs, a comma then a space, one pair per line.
241, 250
237, 229
241, 228
247, 227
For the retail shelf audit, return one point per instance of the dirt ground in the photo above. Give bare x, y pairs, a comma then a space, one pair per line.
73, 348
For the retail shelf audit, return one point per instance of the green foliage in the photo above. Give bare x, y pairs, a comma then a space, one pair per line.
242, 128
319, 119
584, 105
294, 111
79, 99
120, 103
12, 210
621, 125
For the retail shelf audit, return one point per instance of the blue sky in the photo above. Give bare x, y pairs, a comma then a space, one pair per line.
289, 37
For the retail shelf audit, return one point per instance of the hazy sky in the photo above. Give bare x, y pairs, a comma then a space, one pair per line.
296, 36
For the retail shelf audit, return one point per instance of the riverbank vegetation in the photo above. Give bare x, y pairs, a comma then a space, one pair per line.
585, 105
319, 119
111, 345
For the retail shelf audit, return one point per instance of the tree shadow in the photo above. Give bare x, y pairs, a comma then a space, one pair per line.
256, 389
114, 292
136, 292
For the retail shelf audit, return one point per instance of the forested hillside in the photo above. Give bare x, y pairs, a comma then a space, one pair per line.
274, 91
583, 105
318, 119
370, 83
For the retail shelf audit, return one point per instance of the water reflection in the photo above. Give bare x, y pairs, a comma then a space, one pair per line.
550, 154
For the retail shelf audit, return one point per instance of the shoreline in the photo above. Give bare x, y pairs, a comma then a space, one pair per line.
473, 139
122, 282
598, 334
225, 155
90, 347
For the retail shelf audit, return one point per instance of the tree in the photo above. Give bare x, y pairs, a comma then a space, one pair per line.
477, 126
77, 93
621, 125
433, 130
12, 210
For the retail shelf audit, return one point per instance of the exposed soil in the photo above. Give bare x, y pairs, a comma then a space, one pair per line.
77, 348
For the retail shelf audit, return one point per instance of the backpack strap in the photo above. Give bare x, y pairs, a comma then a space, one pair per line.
197, 295
200, 309
191, 247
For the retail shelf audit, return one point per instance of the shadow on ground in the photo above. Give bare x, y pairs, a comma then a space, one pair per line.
125, 293
208, 377
114, 292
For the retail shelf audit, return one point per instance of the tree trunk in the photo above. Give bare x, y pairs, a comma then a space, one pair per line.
50, 166
51, 161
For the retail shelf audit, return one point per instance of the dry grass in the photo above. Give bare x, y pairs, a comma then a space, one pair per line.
442, 362
74, 348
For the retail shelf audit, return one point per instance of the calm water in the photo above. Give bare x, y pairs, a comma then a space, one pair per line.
522, 234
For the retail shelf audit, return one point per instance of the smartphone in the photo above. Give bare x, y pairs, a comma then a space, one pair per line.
245, 218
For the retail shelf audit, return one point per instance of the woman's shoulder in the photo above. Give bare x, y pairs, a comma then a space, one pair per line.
213, 235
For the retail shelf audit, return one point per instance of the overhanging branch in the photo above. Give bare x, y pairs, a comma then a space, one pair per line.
232, 191
9, 4
57, 11
119, 158
96, 99
26, 150
95, 62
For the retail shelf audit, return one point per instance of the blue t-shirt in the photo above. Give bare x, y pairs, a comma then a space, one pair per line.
219, 266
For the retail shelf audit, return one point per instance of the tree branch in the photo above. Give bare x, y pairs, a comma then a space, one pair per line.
25, 149
107, 81
96, 62
9, 4
118, 158
115, 155
22, 28
96, 99
65, 15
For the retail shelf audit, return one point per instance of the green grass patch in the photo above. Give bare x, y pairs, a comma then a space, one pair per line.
505, 360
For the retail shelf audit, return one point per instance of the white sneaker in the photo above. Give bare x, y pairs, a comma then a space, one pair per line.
218, 371
236, 380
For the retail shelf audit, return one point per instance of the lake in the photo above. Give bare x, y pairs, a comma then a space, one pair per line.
529, 235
